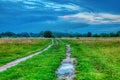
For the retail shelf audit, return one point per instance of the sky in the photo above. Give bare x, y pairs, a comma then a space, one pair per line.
71, 16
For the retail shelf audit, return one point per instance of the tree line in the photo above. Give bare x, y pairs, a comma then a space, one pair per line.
49, 34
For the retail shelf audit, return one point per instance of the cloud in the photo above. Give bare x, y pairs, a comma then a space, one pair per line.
77, 15
93, 18
13, 0
54, 6
30, 7
46, 4
29, 2
58, 7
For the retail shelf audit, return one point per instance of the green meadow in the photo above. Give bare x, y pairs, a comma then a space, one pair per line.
11, 49
40, 67
96, 58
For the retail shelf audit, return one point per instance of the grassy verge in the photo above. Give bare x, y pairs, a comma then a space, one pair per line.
11, 49
40, 67
98, 59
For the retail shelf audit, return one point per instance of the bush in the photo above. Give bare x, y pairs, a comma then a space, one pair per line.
48, 34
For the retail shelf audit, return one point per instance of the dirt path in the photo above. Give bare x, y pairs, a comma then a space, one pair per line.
13, 63
67, 68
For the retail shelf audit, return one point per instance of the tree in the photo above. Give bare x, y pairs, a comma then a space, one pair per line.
24, 34
96, 35
104, 35
112, 35
89, 34
8, 34
48, 34
118, 34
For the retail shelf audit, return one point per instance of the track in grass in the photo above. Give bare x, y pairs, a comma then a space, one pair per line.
97, 58
40, 67
13, 63
14, 48
67, 68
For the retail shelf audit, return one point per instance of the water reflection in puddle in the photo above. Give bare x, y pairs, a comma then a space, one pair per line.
67, 68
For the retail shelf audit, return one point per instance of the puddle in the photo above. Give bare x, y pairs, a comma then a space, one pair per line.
67, 68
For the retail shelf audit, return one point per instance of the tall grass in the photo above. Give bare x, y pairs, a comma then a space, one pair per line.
40, 67
11, 49
97, 58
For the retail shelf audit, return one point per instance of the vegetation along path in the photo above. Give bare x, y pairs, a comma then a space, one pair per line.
40, 67
97, 58
15, 48
15, 62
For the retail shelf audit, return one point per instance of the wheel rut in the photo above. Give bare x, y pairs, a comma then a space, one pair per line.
13, 63
67, 68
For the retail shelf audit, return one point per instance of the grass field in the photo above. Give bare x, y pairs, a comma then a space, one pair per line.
40, 67
97, 59
11, 49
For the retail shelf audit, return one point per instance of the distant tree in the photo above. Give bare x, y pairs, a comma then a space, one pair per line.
84, 35
89, 34
113, 35
48, 34
96, 35
77, 35
40, 34
104, 35
9, 34
24, 34
118, 34
71, 36
0, 36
